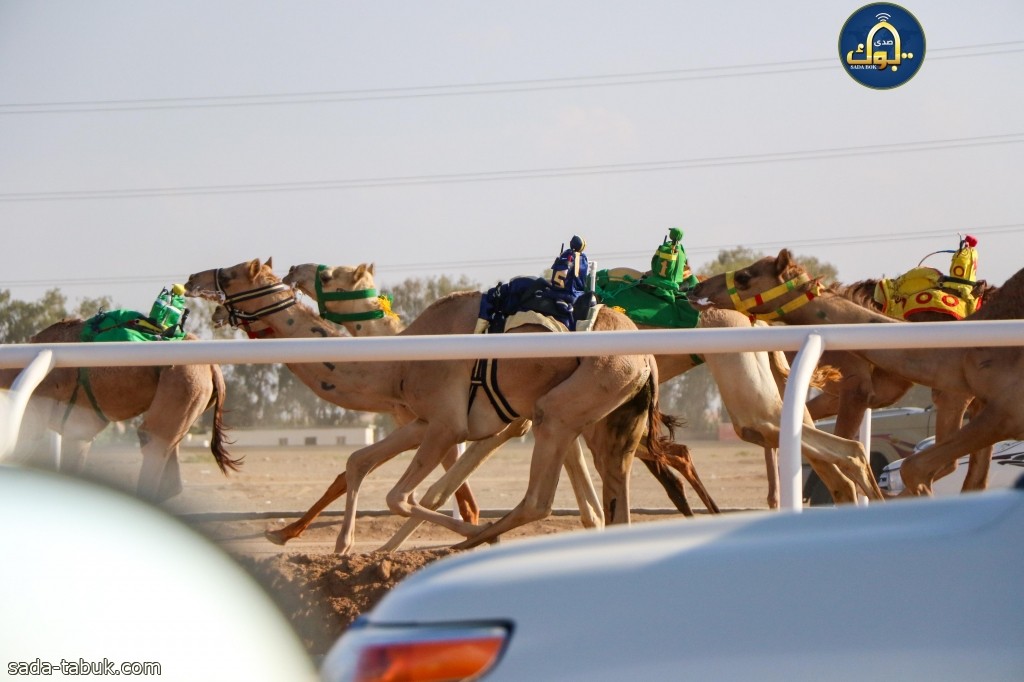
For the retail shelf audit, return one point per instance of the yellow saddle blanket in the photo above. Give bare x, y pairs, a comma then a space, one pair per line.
922, 290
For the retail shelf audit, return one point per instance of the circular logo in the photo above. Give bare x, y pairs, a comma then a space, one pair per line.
881, 46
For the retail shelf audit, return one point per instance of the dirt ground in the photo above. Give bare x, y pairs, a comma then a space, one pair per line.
322, 592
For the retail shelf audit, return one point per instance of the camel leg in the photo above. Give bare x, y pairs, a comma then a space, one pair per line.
156, 456
590, 507
670, 482
681, 460
919, 470
437, 494
771, 465
299, 526
977, 470
468, 507
469, 510
363, 461
847, 455
591, 515
548, 455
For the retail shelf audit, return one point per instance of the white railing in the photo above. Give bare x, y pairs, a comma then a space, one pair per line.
811, 341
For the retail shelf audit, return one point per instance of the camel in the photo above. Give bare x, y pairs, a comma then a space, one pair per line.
985, 374
751, 394
347, 296
78, 403
378, 323
610, 400
256, 326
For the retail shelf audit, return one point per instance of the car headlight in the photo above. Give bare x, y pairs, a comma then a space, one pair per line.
414, 653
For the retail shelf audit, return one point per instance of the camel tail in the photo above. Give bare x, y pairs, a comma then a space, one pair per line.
656, 419
219, 440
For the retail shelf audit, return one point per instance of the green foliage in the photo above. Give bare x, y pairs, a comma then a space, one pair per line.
20, 320
742, 256
412, 296
90, 306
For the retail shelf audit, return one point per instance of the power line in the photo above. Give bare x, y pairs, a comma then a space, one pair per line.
526, 174
473, 89
532, 263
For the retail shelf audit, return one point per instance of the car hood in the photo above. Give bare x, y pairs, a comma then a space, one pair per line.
739, 587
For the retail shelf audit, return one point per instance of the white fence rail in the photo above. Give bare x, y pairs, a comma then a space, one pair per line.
811, 341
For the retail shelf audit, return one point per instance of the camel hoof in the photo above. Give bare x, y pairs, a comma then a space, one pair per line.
276, 536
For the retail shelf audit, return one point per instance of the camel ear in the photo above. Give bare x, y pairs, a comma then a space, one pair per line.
784, 260
369, 268
270, 263
254, 268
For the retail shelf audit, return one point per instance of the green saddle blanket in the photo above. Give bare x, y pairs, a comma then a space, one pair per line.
127, 325
648, 305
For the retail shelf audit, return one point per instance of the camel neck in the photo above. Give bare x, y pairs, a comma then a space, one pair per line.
369, 386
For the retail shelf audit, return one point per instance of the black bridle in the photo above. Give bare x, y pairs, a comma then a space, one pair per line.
237, 317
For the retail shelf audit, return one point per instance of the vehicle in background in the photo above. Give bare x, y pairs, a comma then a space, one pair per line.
1006, 468
723, 598
895, 431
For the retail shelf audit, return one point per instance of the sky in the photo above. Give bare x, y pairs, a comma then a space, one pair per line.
141, 141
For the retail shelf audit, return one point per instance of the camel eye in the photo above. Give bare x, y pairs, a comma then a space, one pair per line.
742, 278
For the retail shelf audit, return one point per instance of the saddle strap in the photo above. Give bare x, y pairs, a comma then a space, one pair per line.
485, 378
83, 383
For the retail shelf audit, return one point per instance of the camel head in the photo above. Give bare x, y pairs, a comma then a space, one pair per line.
758, 277
216, 284
332, 278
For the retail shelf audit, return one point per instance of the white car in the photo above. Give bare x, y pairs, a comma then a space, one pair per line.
752, 596
1007, 467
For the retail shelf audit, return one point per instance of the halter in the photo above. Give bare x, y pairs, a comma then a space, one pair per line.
323, 297
238, 317
744, 305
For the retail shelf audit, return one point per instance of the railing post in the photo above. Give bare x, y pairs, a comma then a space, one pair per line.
791, 483
865, 439
21, 391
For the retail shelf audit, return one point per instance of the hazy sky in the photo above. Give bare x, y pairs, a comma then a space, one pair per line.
142, 141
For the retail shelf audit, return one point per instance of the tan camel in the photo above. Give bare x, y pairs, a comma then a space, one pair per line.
754, 406
256, 325
988, 374
347, 295
78, 403
610, 400
385, 323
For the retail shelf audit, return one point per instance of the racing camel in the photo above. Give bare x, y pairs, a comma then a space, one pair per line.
78, 403
376, 321
610, 400
750, 384
988, 374
347, 295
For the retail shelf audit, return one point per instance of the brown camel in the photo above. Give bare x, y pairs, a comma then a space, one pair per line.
610, 400
78, 403
753, 404
346, 295
987, 374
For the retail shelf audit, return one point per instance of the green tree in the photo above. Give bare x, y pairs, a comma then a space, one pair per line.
19, 320
742, 256
412, 296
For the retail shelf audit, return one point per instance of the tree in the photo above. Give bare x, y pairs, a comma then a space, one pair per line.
20, 320
742, 256
412, 296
